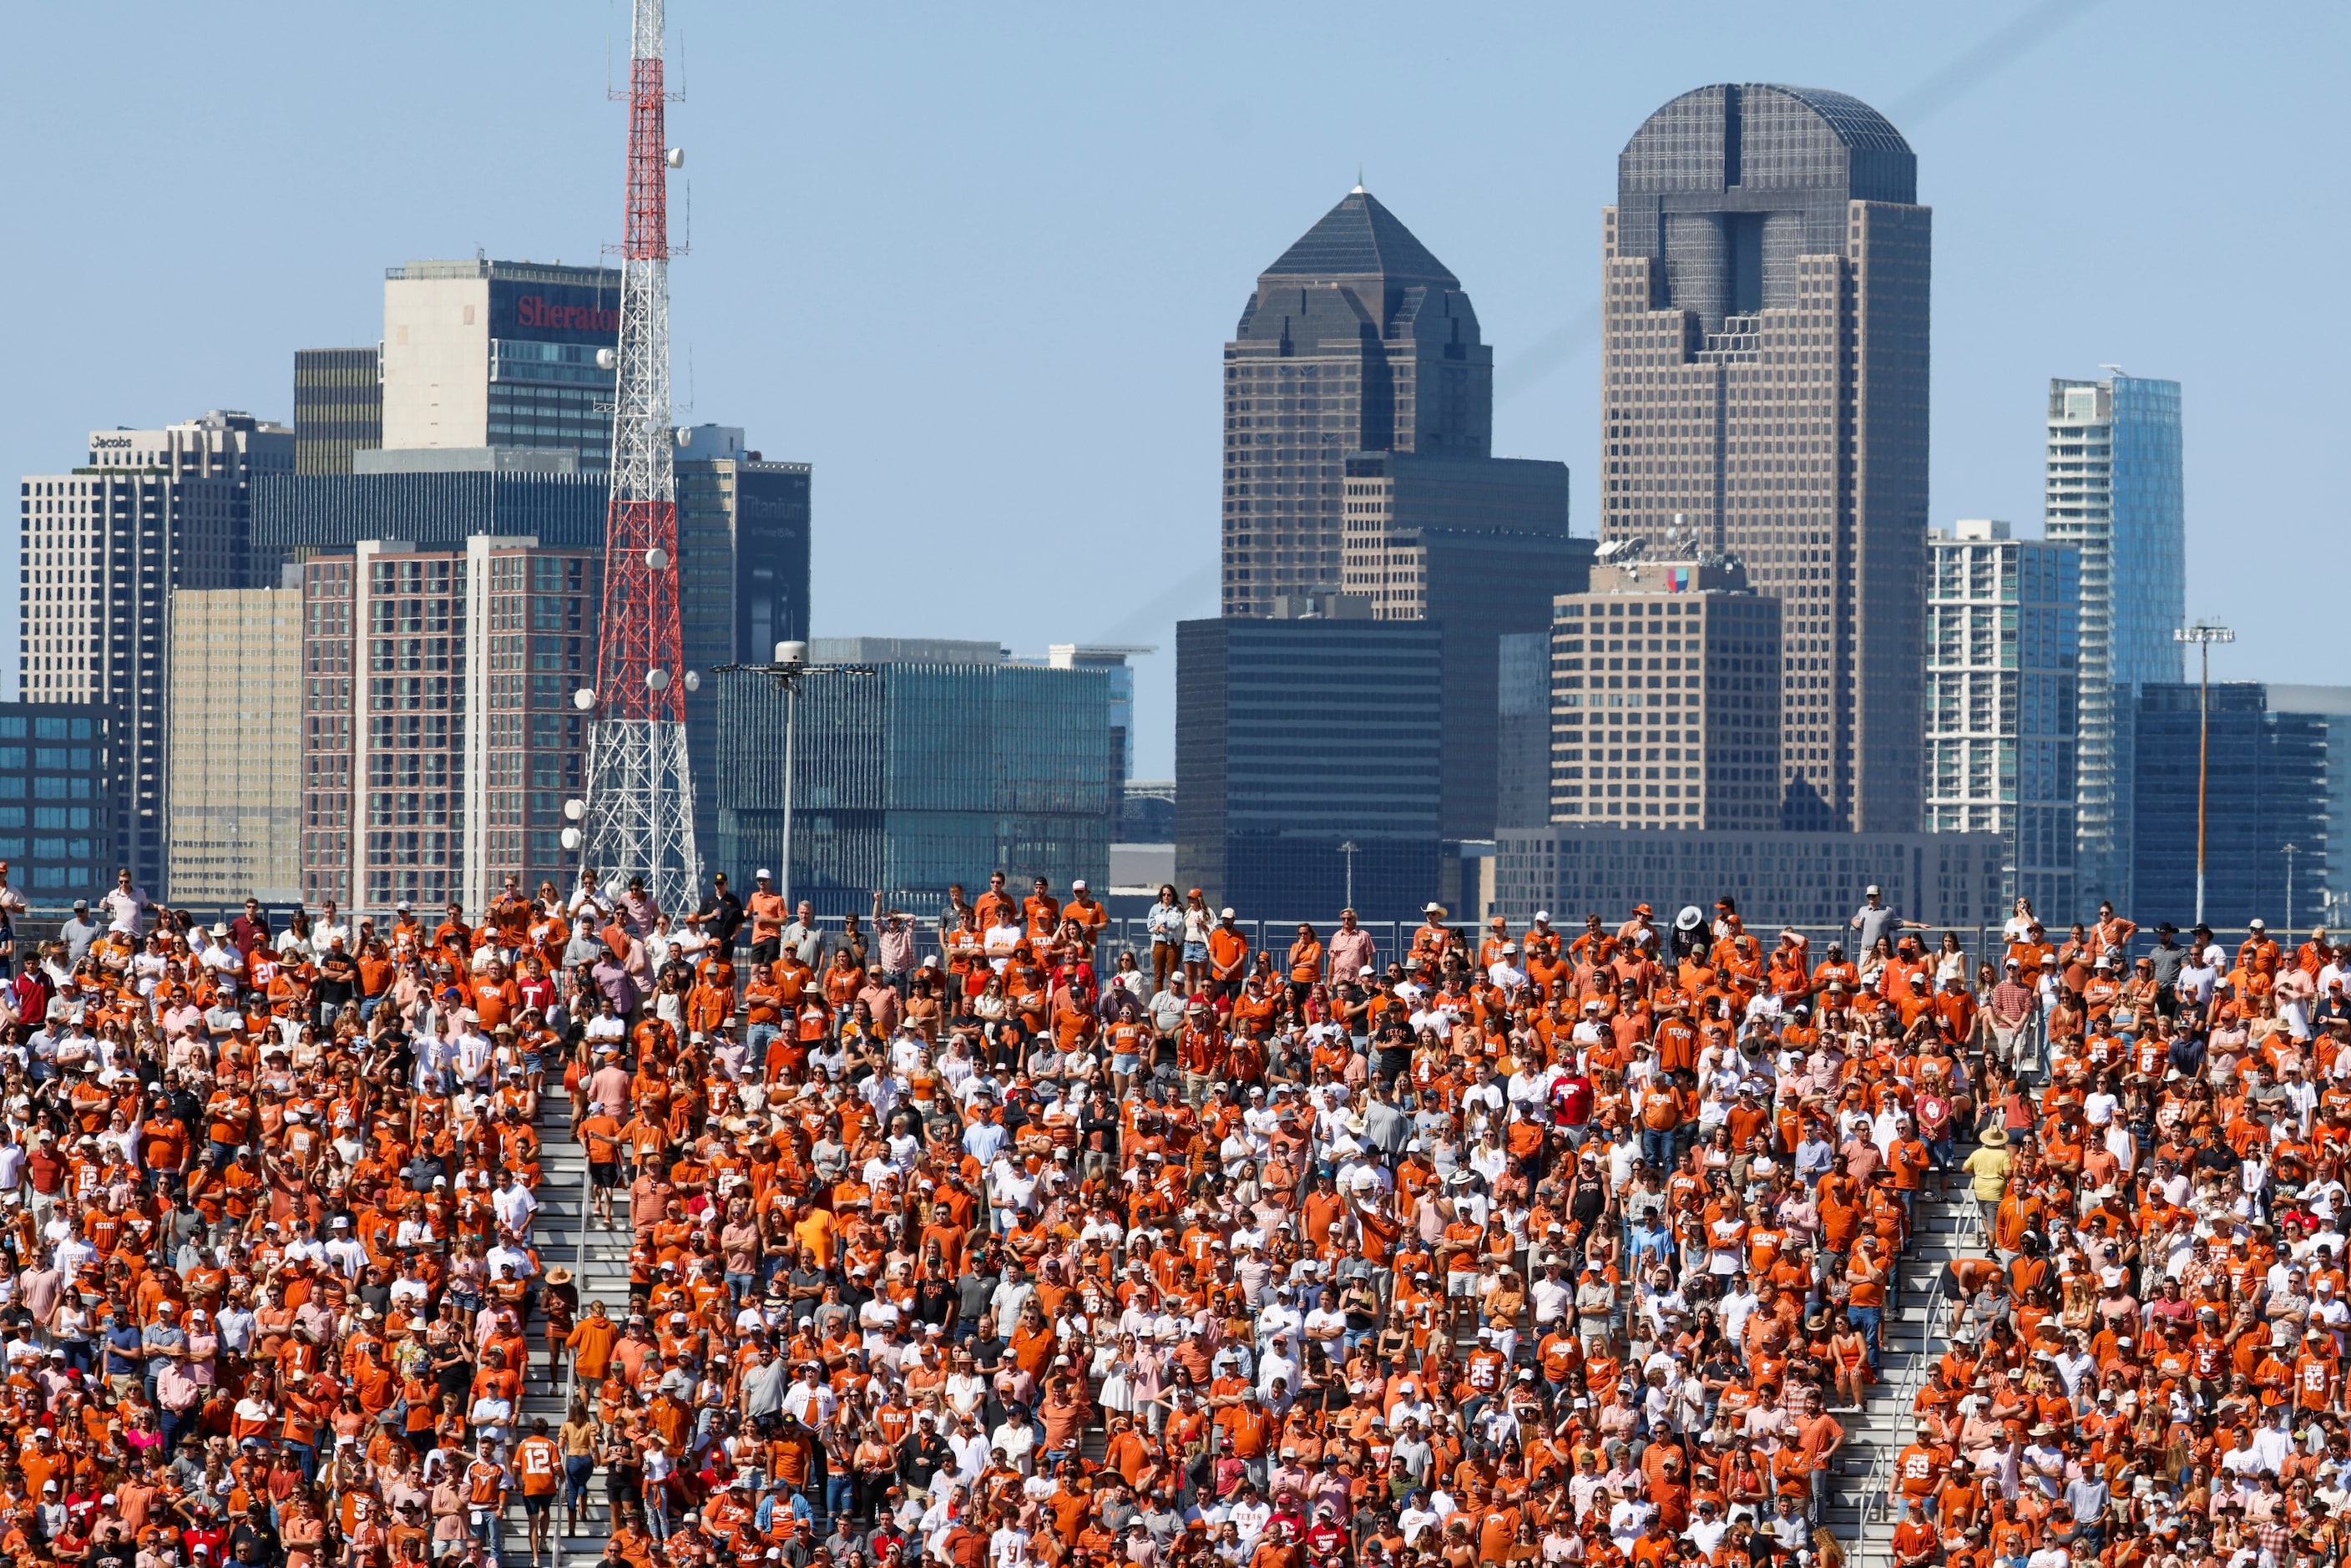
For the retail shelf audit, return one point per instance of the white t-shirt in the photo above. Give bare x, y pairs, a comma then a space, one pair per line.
127, 910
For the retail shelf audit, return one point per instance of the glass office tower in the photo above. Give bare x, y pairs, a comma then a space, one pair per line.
2115, 493
915, 776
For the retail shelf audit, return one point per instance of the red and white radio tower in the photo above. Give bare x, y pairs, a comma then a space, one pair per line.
640, 799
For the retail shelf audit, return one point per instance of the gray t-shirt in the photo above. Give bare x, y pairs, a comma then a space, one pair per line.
1875, 923
808, 941
78, 934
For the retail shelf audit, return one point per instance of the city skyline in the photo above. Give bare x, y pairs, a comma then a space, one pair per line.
2043, 273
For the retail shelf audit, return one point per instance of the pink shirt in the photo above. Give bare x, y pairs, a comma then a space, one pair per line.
1349, 952
610, 1087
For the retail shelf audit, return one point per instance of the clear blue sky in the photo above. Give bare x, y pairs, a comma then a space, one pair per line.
976, 264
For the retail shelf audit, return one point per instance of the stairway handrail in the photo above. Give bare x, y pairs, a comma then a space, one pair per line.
1877, 1498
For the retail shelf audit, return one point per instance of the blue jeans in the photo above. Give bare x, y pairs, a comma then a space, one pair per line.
1867, 1320
490, 1531
839, 1496
1658, 1148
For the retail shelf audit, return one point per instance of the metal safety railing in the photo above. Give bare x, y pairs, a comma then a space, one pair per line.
1877, 1503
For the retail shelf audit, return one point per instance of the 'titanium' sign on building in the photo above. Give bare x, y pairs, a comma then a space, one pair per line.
499, 354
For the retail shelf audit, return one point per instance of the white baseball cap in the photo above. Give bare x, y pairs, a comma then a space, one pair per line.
763, 874
1079, 886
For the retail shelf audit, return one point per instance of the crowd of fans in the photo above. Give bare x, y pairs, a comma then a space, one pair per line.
963, 1239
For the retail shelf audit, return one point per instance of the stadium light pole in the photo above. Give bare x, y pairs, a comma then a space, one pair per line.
2290, 851
2204, 633
791, 667
1347, 848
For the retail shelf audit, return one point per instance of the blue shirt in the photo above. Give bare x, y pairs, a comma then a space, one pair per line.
123, 1342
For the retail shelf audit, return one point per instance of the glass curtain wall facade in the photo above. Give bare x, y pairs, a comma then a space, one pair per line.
1278, 764
2267, 787
2002, 647
295, 515
338, 408
917, 776
58, 813
2332, 704
2114, 491
742, 530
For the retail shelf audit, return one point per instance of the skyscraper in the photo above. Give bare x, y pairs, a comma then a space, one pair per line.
1359, 408
499, 354
1765, 316
2114, 492
2002, 648
1288, 805
1714, 761
106, 547
1357, 339
743, 579
439, 736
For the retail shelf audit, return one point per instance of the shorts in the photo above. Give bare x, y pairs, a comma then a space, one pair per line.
604, 1172
535, 1504
1125, 1063
533, 1062
1196, 952
767, 952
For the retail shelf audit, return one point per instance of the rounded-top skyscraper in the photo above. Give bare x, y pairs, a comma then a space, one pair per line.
1765, 309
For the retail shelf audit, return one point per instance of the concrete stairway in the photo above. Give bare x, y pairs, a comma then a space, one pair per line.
562, 1192
1941, 1231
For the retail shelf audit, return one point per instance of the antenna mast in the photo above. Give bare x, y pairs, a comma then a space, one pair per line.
640, 797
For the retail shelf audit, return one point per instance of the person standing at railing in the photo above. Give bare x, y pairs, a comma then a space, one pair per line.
1351, 949
1165, 926
893, 946
2013, 1006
